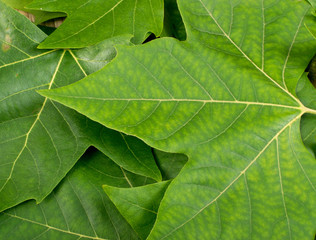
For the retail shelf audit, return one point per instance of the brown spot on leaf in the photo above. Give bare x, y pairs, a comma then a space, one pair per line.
6, 45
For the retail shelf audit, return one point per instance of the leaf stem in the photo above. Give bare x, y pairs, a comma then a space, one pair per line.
309, 110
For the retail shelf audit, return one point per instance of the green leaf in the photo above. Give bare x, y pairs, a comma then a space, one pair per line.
226, 98
138, 205
310, 24
312, 2
173, 24
307, 94
90, 22
40, 140
77, 208
308, 131
169, 164
40, 16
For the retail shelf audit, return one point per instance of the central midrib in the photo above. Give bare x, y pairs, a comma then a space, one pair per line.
179, 100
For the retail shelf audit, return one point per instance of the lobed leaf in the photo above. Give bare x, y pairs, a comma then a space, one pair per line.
226, 98
91, 21
138, 205
77, 208
40, 141
40, 16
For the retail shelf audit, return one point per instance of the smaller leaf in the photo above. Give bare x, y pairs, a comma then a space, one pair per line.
90, 22
169, 164
307, 94
40, 16
308, 132
138, 205
77, 208
173, 24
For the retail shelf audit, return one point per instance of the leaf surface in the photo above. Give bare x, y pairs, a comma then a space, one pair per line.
77, 208
91, 21
307, 94
40, 140
226, 98
138, 205
40, 16
169, 164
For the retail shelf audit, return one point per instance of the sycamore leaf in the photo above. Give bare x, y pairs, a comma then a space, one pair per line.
312, 2
40, 16
138, 205
308, 131
91, 21
169, 164
226, 98
77, 208
173, 24
40, 140
310, 24
307, 94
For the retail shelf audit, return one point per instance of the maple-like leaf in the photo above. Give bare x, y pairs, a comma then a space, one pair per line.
226, 97
40, 141
138, 205
39, 15
91, 21
77, 208
307, 94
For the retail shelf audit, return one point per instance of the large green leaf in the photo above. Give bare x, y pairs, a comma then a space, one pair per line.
40, 16
226, 98
40, 140
91, 21
138, 205
77, 208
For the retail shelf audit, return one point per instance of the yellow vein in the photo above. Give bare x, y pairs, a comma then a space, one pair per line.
27, 59
135, 156
82, 29
237, 178
54, 228
281, 187
289, 52
246, 56
310, 134
298, 161
229, 126
76, 59
20, 50
302, 108
22, 91
263, 33
34, 123
134, 17
127, 180
153, 15
138, 206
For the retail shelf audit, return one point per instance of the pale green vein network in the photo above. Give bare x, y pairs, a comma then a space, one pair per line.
237, 178
34, 123
54, 228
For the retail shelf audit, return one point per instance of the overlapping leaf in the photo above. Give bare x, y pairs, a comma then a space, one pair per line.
40, 140
90, 22
138, 205
227, 99
77, 208
170, 164
40, 16
307, 94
